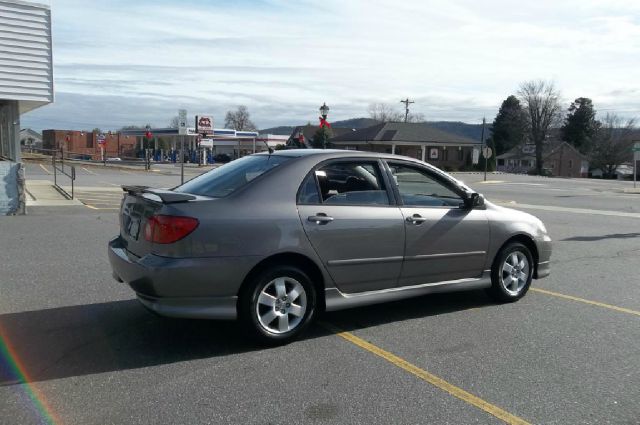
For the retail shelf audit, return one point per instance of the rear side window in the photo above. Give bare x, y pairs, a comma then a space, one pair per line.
230, 177
345, 183
308, 194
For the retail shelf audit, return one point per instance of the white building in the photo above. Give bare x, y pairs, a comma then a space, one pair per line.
26, 83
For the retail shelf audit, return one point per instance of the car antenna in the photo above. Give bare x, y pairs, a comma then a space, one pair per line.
268, 147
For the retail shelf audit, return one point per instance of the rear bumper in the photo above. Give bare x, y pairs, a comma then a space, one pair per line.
182, 287
220, 308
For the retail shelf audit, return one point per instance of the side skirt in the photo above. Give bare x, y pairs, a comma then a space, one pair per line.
337, 300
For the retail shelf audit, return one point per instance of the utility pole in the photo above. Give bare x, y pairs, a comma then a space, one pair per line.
406, 108
484, 149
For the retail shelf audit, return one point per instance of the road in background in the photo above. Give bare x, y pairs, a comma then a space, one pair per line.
94, 355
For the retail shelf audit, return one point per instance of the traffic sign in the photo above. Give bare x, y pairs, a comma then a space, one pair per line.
487, 152
636, 147
182, 121
102, 140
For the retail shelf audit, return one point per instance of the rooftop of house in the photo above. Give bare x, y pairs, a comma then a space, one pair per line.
403, 132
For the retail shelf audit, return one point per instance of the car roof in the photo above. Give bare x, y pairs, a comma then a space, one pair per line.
330, 153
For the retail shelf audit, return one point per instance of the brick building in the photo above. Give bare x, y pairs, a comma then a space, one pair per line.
417, 140
559, 159
84, 145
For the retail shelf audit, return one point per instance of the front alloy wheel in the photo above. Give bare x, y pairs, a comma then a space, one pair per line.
511, 273
514, 273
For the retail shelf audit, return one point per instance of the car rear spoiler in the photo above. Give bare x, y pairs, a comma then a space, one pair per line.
166, 196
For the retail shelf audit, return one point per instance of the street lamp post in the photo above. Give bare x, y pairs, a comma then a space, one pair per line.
324, 111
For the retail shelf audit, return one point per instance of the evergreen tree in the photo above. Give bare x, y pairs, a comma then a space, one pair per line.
580, 124
509, 127
321, 138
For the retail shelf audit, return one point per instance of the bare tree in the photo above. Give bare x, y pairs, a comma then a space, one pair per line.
383, 112
612, 143
175, 122
416, 117
541, 102
239, 120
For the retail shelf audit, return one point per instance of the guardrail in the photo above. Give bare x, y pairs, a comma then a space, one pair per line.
58, 167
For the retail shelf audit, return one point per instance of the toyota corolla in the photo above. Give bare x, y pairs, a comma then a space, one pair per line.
273, 239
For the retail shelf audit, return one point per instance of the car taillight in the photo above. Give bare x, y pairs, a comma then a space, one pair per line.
168, 228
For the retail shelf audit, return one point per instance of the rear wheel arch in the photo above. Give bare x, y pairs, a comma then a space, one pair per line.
289, 259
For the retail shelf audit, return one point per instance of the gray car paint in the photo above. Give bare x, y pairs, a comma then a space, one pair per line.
201, 275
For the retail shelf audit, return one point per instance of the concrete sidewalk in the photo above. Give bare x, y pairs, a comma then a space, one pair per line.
42, 193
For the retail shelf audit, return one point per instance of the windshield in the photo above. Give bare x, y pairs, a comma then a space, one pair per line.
230, 177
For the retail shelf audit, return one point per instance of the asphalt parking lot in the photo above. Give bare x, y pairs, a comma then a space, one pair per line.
76, 348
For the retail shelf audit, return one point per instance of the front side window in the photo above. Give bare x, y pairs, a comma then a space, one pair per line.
230, 177
345, 183
418, 188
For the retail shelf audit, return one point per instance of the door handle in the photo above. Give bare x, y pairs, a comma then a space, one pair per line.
416, 219
320, 218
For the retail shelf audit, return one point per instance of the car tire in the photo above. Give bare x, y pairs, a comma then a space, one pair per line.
278, 304
511, 273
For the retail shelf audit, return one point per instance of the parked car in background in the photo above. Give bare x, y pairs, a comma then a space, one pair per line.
273, 239
222, 158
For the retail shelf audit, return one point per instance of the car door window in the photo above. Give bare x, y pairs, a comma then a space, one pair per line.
345, 183
420, 188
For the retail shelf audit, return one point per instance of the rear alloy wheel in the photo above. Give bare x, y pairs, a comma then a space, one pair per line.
511, 273
280, 304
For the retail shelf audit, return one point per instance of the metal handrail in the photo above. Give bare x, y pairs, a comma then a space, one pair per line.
71, 175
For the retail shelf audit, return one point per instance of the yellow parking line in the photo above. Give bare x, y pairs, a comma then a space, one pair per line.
582, 300
428, 377
45, 169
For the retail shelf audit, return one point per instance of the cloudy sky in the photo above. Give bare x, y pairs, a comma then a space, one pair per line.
121, 62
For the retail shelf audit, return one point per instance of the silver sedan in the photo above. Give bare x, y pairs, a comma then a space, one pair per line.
273, 239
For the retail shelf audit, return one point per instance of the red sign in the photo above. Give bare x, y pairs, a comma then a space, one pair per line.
102, 140
204, 125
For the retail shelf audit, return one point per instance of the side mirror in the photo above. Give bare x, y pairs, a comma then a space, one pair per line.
474, 200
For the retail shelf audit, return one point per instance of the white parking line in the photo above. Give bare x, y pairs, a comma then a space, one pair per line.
570, 210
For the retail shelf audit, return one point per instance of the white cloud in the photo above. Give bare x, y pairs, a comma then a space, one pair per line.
458, 59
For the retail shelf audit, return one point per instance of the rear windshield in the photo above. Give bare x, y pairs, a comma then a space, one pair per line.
230, 177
